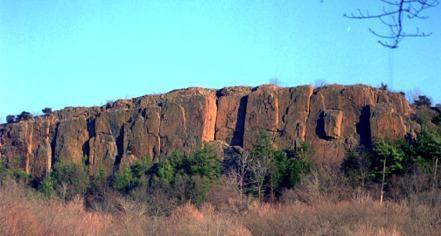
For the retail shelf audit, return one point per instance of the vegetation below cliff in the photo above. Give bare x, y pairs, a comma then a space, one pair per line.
320, 211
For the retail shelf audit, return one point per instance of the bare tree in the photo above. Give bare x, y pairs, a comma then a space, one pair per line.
435, 176
320, 83
383, 178
393, 16
260, 168
242, 171
275, 81
240, 174
412, 95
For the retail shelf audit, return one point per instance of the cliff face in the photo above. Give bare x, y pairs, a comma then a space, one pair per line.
333, 119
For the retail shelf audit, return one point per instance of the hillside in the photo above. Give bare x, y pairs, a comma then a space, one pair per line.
333, 160
332, 119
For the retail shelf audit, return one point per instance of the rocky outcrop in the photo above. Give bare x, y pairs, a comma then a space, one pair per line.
333, 119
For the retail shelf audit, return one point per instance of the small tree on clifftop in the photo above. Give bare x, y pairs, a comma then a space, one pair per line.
10, 119
47, 111
24, 115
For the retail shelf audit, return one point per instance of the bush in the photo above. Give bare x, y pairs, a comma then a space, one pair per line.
423, 101
189, 177
13, 171
271, 171
47, 186
428, 145
437, 120
24, 116
3, 171
390, 153
10, 119
409, 165
47, 111
177, 178
129, 178
124, 181
288, 170
358, 168
70, 179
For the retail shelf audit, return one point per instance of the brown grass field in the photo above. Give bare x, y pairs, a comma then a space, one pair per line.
24, 212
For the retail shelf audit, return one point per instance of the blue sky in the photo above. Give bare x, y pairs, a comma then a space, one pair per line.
81, 53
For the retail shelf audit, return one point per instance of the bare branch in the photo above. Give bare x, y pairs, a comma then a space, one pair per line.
394, 18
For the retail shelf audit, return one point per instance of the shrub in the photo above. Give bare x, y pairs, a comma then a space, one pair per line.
24, 116
427, 150
3, 171
423, 101
438, 107
204, 162
47, 111
391, 154
129, 178
271, 171
437, 120
357, 167
189, 177
124, 181
70, 179
47, 186
10, 119
288, 170
399, 164
13, 171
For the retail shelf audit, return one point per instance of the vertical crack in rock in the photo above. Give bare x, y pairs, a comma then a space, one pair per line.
119, 149
1, 141
231, 114
310, 94
320, 127
363, 127
30, 145
276, 110
48, 146
261, 114
85, 147
313, 92
54, 143
92, 135
239, 130
216, 128
159, 104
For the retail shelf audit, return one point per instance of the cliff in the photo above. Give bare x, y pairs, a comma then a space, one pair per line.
333, 119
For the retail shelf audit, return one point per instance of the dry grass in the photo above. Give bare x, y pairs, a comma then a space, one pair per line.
23, 212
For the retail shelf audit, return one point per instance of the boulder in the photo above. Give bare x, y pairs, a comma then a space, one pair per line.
333, 120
